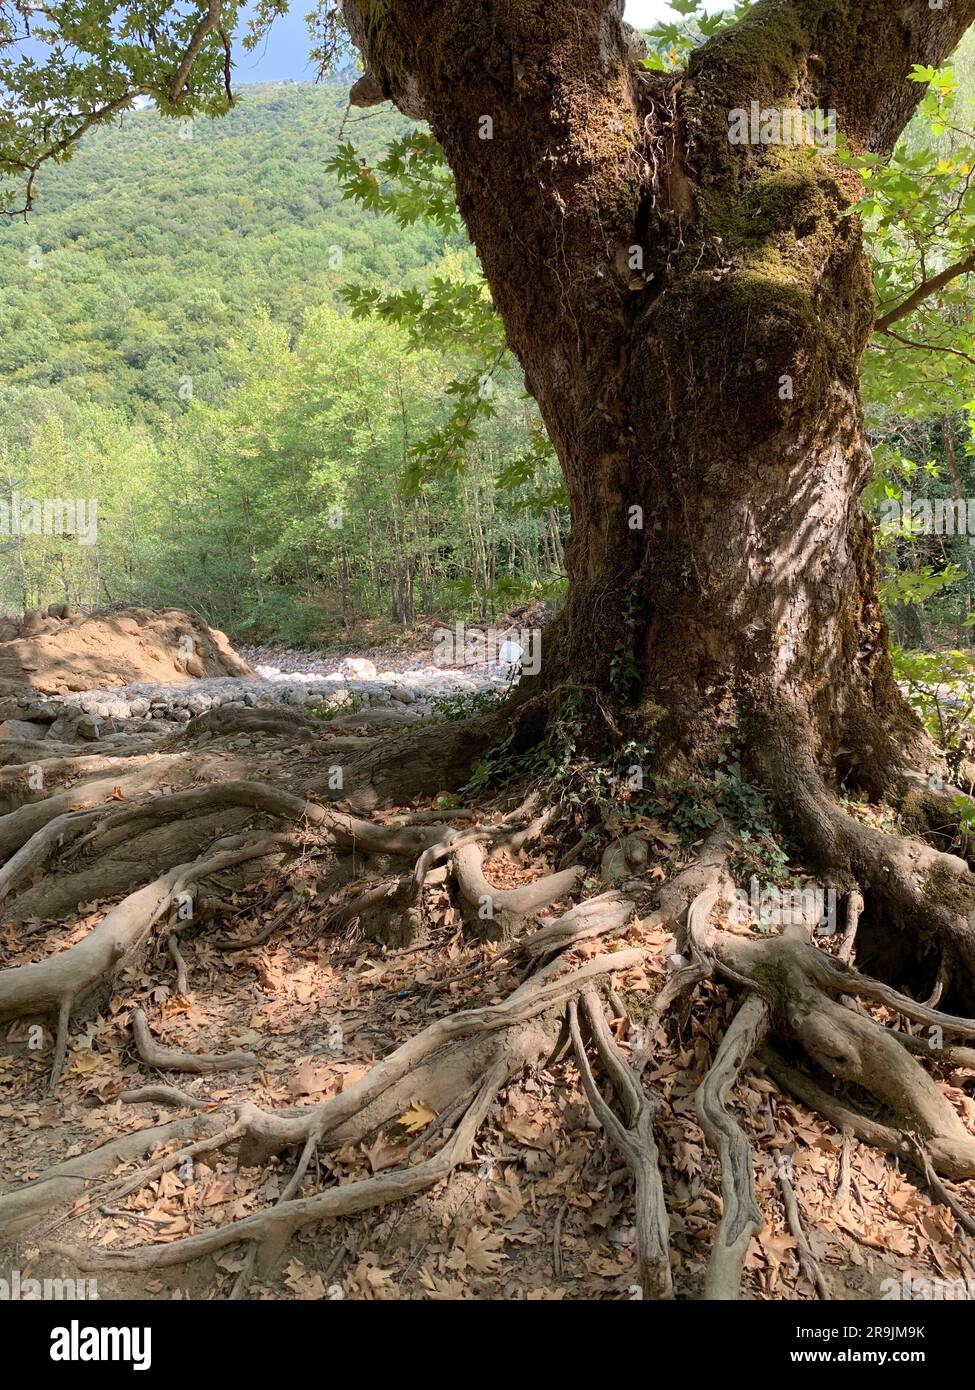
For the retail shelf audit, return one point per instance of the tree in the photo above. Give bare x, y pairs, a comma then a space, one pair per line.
686, 291
691, 314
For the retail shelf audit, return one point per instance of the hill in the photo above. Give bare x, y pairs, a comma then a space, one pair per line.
150, 247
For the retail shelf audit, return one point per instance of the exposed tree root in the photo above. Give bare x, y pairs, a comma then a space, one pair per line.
171, 1059
854, 907
162, 1095
56, 835
807, 1260
62, 982
498, 913
741, 1216
228, 720
390, 910
26, 1207
353, 1112
275, 1227
635, 1140
939, 1190
421, 762
841, 1116
17, 827
33, 781
923, 890
593, 917
791, 995
799, 985
75, 879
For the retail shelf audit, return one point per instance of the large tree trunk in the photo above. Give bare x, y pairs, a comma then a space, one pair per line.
690, 315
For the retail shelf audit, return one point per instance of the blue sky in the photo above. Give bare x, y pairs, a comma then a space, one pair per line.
285, 52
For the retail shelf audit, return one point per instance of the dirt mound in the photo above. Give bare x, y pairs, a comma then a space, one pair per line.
66, 650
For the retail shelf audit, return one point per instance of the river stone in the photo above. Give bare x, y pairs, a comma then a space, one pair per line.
22, 728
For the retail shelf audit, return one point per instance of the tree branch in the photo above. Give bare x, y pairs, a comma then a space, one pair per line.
928, 347
854, 59
209, 24
924, 291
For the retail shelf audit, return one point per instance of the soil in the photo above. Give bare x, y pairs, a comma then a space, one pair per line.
116, 647
544, 1208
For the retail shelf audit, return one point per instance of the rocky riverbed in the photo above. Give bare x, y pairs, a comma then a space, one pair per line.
298, 679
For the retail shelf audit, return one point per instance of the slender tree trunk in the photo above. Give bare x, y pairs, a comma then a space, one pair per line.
426, 569
556, 541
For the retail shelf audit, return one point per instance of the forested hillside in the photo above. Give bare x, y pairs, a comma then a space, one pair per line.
152, 246
174, 344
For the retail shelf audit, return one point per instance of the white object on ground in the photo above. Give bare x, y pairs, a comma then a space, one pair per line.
510, 654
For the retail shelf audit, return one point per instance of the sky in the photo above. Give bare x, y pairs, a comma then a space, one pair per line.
284, 54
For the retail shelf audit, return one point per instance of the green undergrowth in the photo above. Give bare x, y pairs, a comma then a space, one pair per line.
619, 791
